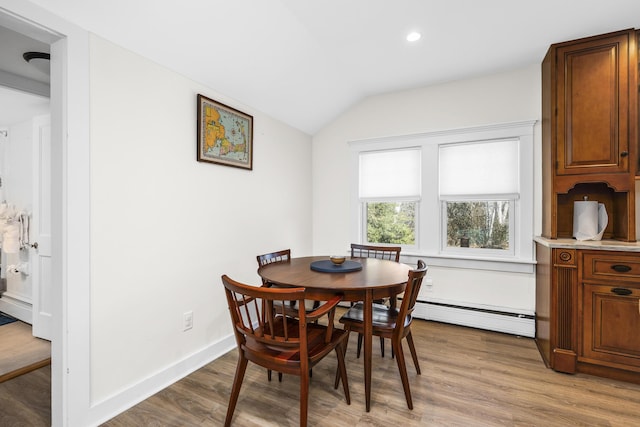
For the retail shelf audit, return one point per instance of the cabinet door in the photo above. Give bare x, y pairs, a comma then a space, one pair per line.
611, 321
593, 105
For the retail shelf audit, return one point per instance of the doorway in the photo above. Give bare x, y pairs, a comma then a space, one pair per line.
24, 112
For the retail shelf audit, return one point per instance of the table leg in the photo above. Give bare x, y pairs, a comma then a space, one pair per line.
368, 340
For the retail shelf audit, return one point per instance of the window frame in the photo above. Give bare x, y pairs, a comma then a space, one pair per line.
407, 197
429, 223
511, 194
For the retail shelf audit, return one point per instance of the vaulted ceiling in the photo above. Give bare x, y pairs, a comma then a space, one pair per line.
305, 62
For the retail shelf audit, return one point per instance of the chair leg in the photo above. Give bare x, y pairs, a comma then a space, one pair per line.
344, 352
414, 355
304, 397
402, 367
382, 346
342, 368
269, 375
235, 390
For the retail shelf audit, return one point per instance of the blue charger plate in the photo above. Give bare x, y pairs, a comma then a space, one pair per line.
326, 266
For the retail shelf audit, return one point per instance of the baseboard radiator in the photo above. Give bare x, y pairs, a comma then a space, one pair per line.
492, 320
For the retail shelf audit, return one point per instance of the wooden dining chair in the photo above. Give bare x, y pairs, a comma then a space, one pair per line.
278, 256
269, 337
283, 256
392, 324
391, 253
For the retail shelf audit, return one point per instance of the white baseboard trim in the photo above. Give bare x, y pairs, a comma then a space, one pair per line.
17, 308
108, 408
475, 317
510, 323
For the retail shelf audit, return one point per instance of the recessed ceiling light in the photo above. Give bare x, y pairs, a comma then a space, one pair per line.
413, 36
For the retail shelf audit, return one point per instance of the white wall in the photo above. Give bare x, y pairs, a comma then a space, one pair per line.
501, 98
164, 227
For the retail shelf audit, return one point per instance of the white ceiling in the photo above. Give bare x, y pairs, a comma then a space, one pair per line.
305, 62
17, 106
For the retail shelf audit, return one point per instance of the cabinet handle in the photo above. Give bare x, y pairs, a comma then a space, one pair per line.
624, 154
621, 268
622, 291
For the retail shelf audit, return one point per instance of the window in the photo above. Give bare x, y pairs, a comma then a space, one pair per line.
478, 224
479, 188
390, 222
389, 192
459, 198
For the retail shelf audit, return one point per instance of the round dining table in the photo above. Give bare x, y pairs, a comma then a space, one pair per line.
376, 279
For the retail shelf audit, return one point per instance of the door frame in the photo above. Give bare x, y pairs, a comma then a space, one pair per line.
70, 139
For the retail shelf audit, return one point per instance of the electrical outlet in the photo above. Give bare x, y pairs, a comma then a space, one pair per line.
187, 320
428, 285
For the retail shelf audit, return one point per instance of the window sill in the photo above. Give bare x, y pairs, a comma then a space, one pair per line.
510, 265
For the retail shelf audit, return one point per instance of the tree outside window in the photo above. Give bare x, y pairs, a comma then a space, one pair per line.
391, 222
478, 224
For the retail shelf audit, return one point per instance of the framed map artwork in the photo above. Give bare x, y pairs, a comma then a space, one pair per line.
225, 135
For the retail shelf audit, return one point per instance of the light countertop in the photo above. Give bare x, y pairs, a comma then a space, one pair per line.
603, 245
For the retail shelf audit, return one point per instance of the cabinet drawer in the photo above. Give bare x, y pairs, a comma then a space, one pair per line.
611, 266
611, 325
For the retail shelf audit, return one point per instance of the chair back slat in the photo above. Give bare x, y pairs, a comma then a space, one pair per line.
410, 295
240, 311
391, 253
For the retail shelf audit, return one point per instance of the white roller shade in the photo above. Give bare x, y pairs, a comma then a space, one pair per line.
390, 174
487, 168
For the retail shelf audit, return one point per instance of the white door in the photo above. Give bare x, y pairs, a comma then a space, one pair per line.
40, 233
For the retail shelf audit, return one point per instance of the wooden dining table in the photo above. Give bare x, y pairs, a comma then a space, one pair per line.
377, 279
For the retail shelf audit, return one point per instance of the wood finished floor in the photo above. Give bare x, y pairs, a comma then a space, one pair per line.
20, 351
25, 377
469, 378
25, 401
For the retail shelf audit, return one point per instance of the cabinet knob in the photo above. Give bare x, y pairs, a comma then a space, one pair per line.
621, 291
621, 268
624, 154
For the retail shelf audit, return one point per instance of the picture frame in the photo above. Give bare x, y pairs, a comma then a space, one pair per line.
225, 135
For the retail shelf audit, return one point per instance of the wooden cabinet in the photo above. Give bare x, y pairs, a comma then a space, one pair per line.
593, 104
610, 307
589, 131
588, 295
588, 311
